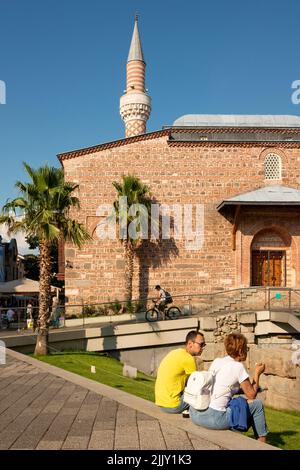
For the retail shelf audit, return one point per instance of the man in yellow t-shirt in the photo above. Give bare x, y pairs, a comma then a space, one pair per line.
173, 372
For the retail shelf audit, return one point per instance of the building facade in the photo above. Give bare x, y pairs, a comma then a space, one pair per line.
242, 171
11, 263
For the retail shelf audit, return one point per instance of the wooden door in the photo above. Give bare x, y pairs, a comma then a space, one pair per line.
268, 268
275, 268
259, 259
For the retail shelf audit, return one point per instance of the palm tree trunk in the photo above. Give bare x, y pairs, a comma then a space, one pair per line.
41, 347
129, 254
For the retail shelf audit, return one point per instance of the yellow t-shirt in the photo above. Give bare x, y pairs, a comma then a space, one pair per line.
171, 378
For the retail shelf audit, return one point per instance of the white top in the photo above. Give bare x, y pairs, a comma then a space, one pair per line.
162, 294
29, 308
10, 314
229, 375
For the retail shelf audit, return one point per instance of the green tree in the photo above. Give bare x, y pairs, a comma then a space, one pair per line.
42, 211
31, 267
138, 197
31, 262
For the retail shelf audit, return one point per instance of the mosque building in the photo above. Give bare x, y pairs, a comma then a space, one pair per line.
240, 172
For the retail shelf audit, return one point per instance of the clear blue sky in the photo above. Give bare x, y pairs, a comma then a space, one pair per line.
63, 62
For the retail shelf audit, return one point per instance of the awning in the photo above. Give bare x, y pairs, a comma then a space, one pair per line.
21, 286
276, 195
268, 196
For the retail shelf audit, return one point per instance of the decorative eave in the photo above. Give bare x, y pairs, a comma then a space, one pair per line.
168, 131
239, 130
243, 144
112, 144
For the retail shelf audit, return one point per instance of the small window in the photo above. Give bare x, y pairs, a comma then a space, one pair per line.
273, 167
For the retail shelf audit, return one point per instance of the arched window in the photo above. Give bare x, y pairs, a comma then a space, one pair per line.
272, 167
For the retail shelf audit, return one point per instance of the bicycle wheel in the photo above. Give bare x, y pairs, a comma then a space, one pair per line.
151, 314
173, 313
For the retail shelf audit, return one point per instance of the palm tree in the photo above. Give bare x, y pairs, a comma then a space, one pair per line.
42, 211
136, 193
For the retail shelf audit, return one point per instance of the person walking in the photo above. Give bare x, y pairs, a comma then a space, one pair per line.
29, 311
10, 314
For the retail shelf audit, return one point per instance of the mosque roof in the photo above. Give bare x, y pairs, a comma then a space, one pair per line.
237, 120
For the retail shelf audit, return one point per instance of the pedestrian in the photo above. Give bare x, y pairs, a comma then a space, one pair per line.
10, 314
29, 311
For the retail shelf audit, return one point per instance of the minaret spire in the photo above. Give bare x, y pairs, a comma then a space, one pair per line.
135, 104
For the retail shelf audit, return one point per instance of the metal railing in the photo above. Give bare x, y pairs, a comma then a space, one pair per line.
213, 303
18, 318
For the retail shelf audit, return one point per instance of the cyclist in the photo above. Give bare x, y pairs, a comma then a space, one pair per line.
163, 298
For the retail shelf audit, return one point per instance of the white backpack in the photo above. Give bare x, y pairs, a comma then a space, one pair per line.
197, 392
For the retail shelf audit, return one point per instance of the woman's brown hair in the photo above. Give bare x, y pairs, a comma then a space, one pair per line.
236, 346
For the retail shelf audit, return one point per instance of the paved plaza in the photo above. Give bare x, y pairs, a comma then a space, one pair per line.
43, 407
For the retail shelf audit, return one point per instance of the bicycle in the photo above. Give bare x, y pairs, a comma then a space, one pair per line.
154, 314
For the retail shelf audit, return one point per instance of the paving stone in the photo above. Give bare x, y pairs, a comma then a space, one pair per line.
142, 416
102, 440
106, 415
17, 385
202, 444
83, 423
9, 373
38, 383
175, 438
76, 443
126, 437
49, 445
61, 425
126, 415
150, 435
33, 429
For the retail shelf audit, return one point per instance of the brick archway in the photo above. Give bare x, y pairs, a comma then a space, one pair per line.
262, 232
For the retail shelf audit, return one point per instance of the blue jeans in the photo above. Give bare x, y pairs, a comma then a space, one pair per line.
177, 409
215, 419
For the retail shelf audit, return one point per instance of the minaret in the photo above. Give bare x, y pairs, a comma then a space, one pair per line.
135, 104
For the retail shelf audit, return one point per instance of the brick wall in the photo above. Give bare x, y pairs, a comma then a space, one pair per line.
201, 174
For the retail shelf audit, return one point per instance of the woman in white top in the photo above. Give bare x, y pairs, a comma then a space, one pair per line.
231, 376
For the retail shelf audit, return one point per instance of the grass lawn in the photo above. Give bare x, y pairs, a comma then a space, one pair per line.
284, 426
109, 371
284, 429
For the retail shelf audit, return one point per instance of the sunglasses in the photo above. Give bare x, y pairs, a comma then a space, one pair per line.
202, 345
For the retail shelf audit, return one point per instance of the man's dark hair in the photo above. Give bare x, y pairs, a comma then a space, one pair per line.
192, 335
157, 287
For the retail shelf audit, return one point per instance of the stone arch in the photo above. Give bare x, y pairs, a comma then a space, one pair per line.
259, 229
276, 150
284, 238
282, 163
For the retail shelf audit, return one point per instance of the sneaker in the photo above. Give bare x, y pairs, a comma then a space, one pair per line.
185, 414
